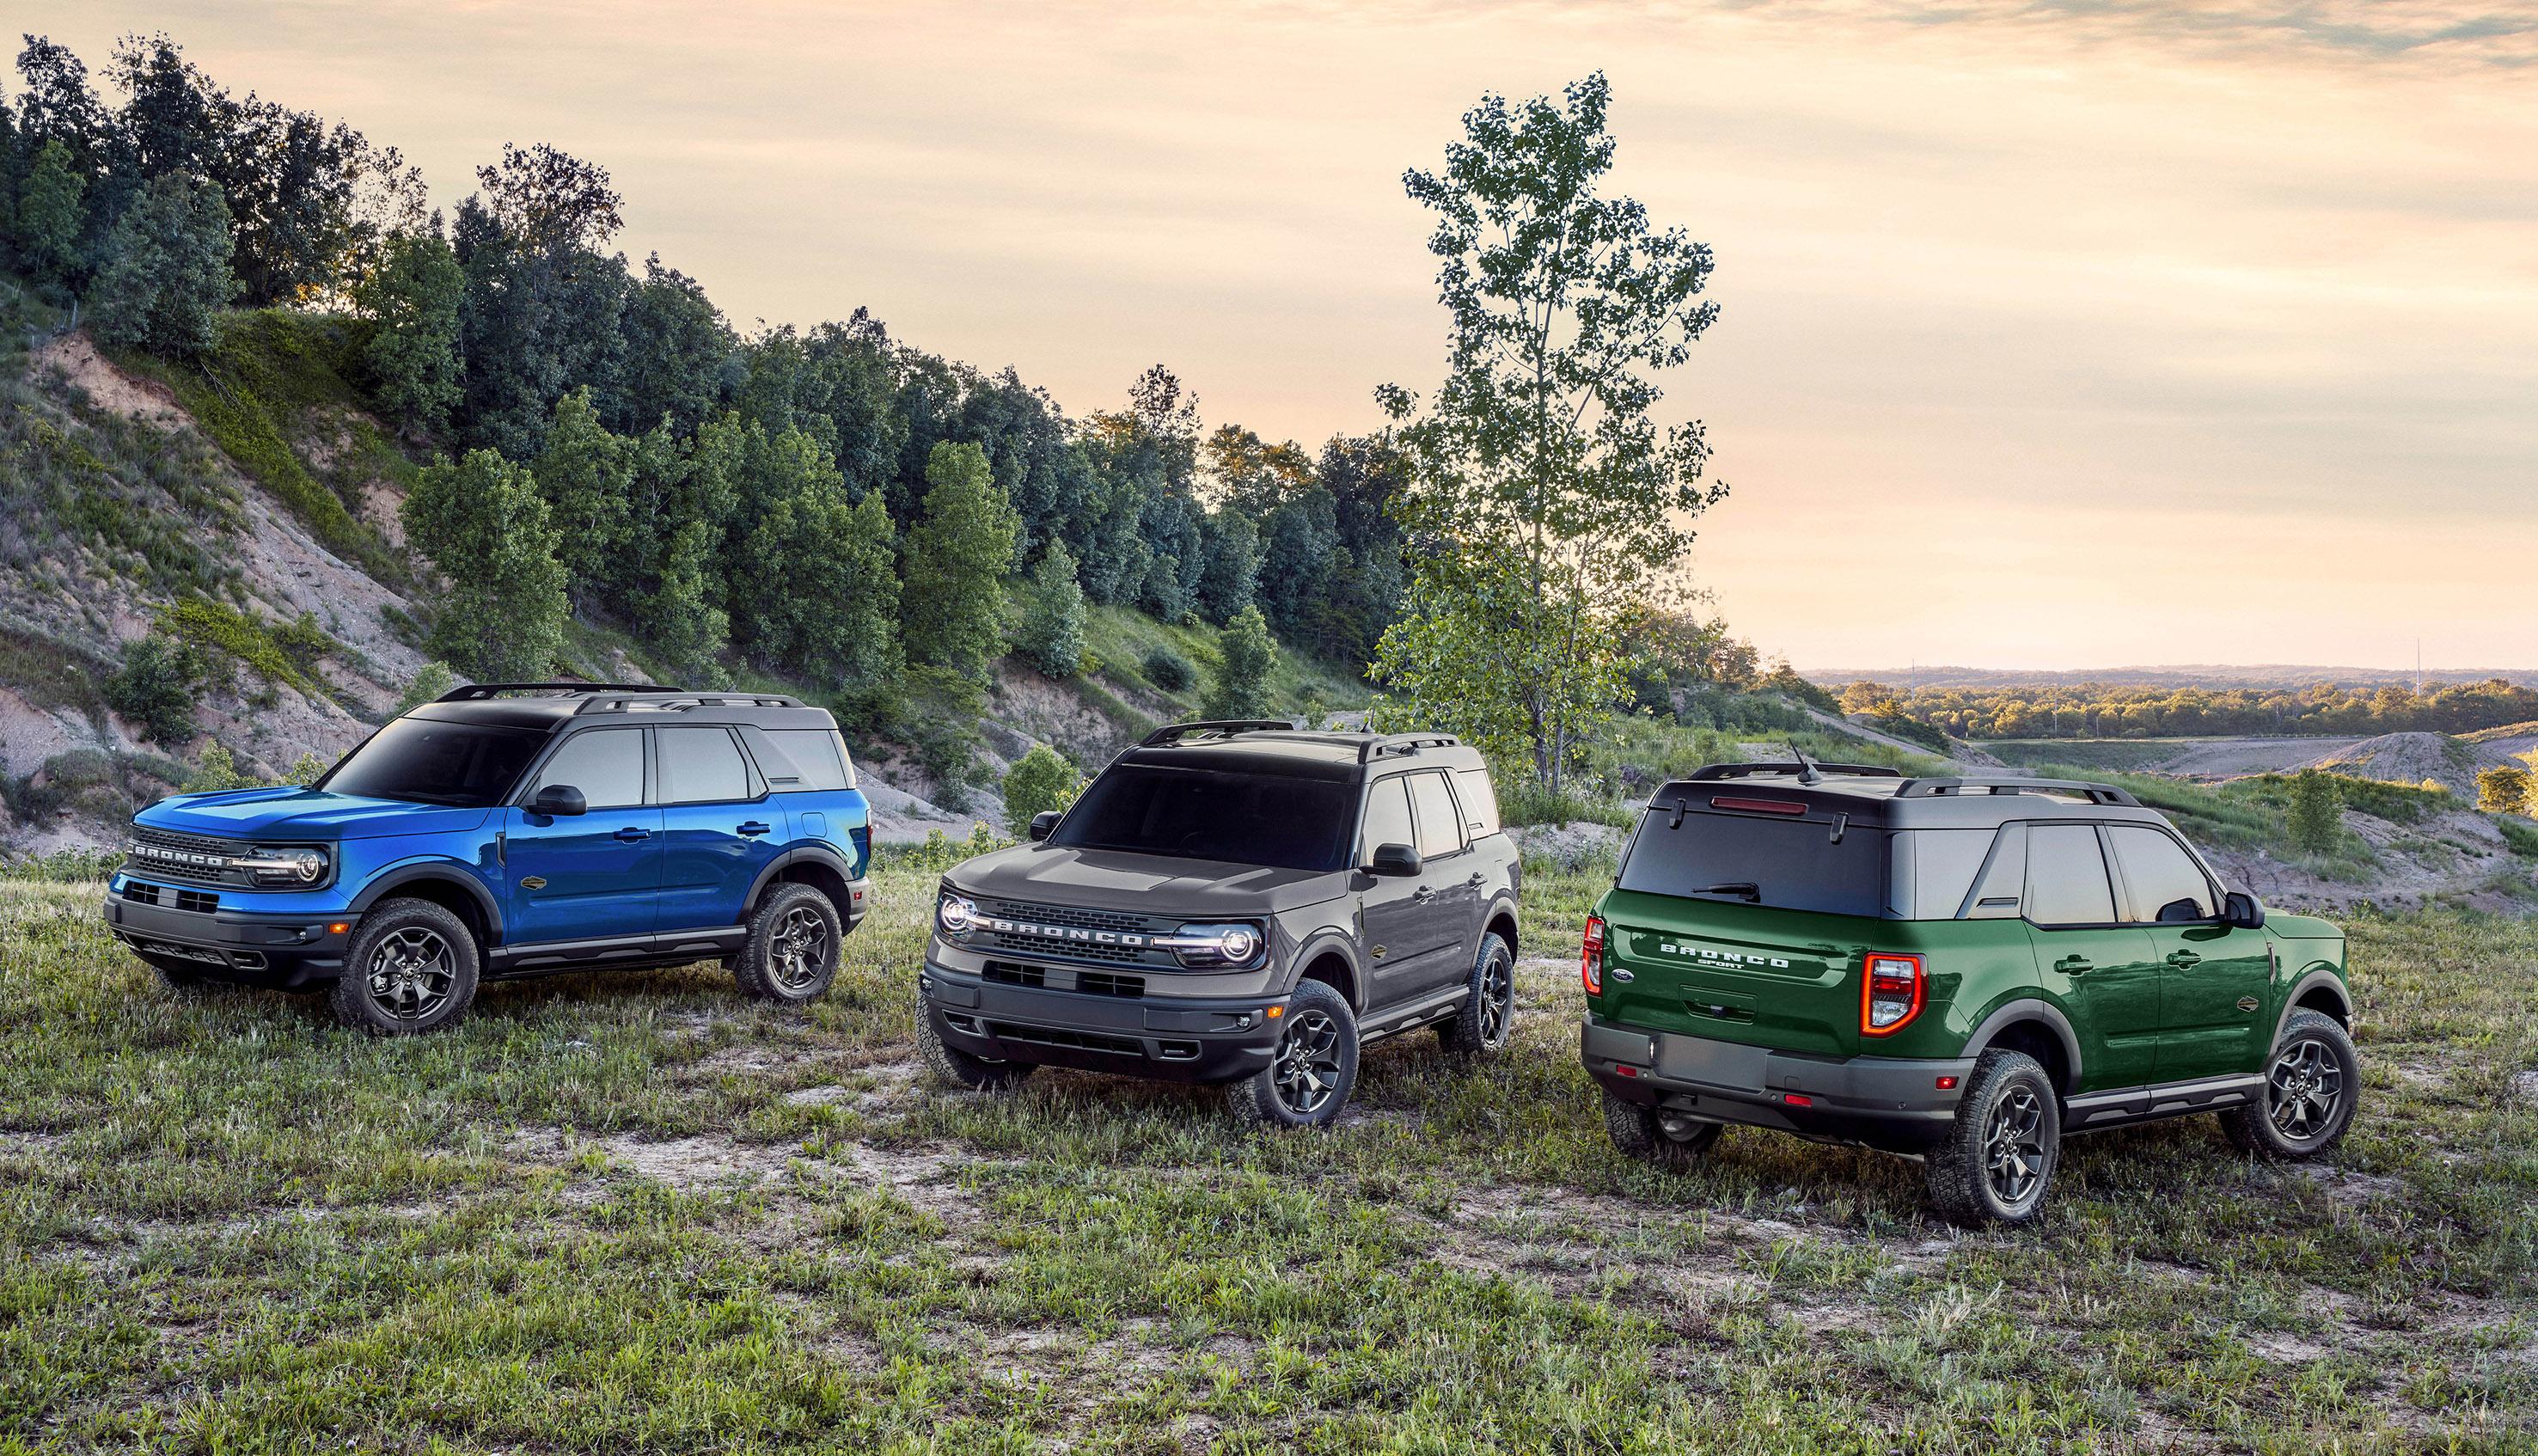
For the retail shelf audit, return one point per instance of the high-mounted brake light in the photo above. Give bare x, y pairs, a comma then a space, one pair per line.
1760, 806
1590, 956
1891, 990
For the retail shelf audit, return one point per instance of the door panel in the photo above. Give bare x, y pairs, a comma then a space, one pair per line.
716, 837
2104, 972
2215, 994
1452, 882
592, 875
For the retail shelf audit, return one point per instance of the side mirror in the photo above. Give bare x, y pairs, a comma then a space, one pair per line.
2240, 910
1396, 860
559, 801
1042, 824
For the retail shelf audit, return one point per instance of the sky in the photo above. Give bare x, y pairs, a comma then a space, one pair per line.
2054, 333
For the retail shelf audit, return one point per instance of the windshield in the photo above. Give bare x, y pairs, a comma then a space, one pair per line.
1787, 864
1246, 819
428, 762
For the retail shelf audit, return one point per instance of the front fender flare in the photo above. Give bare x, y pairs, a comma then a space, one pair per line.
2309, 981
439, 872
1331, 940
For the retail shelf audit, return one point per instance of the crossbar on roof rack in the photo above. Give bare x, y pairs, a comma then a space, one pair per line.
1711, 772
1172, 733
2094, 793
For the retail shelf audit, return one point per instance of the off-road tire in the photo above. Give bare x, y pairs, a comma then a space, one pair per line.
1666, 1140
2314, 1045
796, 940
2010, 1111
958, 1067
411, 967
1486, 1021
1314, 1072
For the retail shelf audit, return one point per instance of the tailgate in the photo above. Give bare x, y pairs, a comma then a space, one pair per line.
1787, 979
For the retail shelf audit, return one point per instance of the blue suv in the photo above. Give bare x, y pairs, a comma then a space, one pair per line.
511, 829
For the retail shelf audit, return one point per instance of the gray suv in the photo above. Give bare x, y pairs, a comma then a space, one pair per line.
1235, 902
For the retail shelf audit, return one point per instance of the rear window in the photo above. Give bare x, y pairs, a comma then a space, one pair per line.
1480, 801
816, 753
1786, 864
1244, 819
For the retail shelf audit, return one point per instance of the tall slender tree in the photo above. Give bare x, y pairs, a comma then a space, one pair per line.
482, 522
957, 556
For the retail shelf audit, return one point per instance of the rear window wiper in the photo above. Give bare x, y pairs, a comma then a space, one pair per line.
1744, 890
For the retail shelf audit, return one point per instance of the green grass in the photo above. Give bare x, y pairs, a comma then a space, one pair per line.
637, 1211
285, 652
1117, 639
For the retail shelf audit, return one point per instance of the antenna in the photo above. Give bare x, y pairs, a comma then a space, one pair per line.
1806, 767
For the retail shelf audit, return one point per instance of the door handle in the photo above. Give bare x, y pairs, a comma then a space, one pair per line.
1423, 893
2074, 964
753, 829
2184, 958
632, 835
1475, 879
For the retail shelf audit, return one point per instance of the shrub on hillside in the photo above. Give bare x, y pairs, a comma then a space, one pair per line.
434, 679
2504, 790
1248, 655
167, 274
1039, 781
1168, 669
1050, 635
2314, 824
154, 689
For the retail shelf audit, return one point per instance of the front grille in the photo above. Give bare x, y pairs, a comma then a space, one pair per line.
145, 838
1069, 917
1103, 983
139, 893
1125, 1046
198, 902
1008, 974
1033, 945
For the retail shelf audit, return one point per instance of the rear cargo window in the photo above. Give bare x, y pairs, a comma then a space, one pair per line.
815, 752
1786, 864
1480, 801
1944, 865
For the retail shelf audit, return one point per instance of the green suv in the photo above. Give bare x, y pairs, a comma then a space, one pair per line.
1960, 970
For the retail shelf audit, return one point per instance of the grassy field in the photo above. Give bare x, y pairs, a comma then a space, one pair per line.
639, 1212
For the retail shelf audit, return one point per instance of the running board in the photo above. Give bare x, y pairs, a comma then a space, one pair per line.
1434, 1008
667, 948
2094, 1110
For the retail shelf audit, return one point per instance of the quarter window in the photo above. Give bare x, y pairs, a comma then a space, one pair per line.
2158, 873
2066, 877
1387, 818
701, 765
1944, 865
1440, 823
1480, 801
605, 763
816, 753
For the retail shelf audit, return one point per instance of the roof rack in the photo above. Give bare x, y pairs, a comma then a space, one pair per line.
479, 691
1711, 772
670, 700
1375, 747
1172, 733
2094, 793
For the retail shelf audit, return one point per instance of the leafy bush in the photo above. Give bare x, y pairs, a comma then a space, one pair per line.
940, 851
219, 771
1910, 731
1050, 633
1039, 781
2504, 790
1168, 669
2313, 823
155, 688
434, 679
1247, 655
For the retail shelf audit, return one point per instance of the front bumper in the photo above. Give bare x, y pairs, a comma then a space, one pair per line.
1889, 1103
1168, 1038
282, 950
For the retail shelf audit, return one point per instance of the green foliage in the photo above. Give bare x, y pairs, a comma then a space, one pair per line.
411, 357
957, 556
1050, 633
2519, 834
1229, 565
586, 474
1168, 669
1538, 456
833, 616
286, 653
2505, 790
88, 489
155, 688
433, 679
166, 272
1039, 781
939, 851
52, 214
217, 771
2136, 711
1247, 657
1911, 730
483, 522
2313, 823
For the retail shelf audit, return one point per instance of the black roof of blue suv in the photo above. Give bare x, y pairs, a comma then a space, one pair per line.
554, 706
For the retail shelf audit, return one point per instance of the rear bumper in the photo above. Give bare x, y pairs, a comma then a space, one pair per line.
1889, 1103
283, 951
859, 901
1168, 1039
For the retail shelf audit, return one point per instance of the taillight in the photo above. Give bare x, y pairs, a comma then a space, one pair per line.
1890, 993
1590, 956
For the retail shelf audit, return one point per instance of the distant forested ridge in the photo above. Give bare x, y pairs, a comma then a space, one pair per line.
2131, 710
828, 502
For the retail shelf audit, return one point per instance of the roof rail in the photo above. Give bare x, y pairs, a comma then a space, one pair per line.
1404, 743
1172, 733
2094, 793
479, 691
671, 700
1711, 772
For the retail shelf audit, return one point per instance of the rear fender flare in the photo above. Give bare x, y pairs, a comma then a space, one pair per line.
799, 854
2024, 1009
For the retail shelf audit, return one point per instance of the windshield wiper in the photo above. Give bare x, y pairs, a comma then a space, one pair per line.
1744, 890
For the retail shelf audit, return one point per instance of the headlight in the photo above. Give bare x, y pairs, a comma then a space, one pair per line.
955, 916
1220, 946
286, 868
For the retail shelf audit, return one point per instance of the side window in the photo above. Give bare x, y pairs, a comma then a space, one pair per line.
1440, 823
1480, 801
2003, 887
605, 763
701, 765
2165, 882
815, 752
1387, 818
2066, 877
1944, 865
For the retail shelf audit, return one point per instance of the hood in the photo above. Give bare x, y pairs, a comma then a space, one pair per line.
1148, 884
302, 813
2301, 927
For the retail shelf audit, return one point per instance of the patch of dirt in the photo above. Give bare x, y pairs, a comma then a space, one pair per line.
109, 387
2414, 758
894, 1087
1569, 845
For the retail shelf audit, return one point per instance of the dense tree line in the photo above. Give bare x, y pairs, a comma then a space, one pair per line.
827, 502
2115, 710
